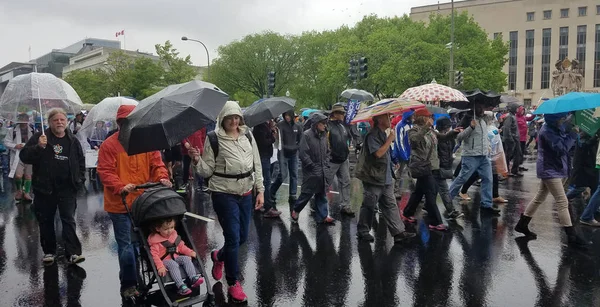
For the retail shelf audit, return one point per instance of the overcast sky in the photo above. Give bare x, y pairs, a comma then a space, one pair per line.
44, 25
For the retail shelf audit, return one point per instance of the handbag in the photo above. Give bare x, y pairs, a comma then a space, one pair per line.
421, 168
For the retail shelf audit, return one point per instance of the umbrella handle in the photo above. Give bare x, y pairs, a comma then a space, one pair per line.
41, 111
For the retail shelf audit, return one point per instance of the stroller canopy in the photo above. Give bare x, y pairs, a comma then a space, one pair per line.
157, 203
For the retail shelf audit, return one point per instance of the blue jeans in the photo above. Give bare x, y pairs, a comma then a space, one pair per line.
4, 161
321, 210
127, 263
575, 191
592, 207
234, 214
483, 167
287, 166
266, 172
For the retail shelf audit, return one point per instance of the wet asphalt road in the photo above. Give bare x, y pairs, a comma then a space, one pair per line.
477, 263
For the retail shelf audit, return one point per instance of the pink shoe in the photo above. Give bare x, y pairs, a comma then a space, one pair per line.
197, 281
19, 195
440, 227
217, 269
237, 293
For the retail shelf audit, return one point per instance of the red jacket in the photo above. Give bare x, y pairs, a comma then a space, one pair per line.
117, 169
158, 250
196, 140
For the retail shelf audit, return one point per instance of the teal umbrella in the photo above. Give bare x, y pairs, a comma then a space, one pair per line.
570, 102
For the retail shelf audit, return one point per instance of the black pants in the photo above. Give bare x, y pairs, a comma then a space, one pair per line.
469, 183
426, 186
45, 207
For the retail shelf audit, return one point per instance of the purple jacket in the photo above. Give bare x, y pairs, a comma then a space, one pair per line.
553, 152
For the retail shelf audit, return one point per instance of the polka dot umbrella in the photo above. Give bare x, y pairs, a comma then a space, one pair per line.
434, 92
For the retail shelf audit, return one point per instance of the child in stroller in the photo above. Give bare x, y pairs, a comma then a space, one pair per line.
169, 252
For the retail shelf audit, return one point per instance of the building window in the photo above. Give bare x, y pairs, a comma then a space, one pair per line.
512, 60
497, 34
548, 14
527, 102
564, 13
581, 46
529, 40
546, 51
597, 9
582, 11
531, 16
597, 58
563, 43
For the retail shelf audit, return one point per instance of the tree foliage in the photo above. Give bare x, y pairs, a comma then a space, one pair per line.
137, 77
402, 53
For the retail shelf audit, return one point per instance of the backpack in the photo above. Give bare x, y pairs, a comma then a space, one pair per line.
214, 145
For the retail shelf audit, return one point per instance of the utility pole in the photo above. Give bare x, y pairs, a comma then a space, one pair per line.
451, 72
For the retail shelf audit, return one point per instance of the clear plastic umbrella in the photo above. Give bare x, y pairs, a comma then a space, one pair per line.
37, 91
105, 112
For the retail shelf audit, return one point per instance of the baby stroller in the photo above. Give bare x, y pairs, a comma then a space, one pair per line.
155, 203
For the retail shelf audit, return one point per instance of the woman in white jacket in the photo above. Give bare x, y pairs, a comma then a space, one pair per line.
232, 162
15, 140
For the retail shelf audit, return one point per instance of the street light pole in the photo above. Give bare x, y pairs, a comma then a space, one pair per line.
184, 38
451, 72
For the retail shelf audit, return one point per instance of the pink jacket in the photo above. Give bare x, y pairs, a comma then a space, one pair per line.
522, 124
158, 250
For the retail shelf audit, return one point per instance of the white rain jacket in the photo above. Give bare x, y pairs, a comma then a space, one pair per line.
236, 156
14, 138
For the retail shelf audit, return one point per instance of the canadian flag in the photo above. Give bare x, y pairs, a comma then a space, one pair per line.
122, 32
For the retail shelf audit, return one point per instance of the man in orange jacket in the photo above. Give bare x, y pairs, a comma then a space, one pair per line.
120, 173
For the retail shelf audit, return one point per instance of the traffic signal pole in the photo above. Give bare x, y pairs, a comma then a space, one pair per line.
451, 72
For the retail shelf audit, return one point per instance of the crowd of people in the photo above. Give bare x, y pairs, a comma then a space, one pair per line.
243, 168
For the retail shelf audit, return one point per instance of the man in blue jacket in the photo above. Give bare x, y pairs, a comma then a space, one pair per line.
401, 149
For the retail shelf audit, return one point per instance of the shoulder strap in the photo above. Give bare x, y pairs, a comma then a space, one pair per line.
214, 142
249, 136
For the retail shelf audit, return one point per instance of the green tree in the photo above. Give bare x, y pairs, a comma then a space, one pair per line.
243, 65
177, 69
91, 85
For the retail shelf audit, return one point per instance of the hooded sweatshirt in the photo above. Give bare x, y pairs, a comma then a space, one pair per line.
236, 157
510, 130
291, 134
521, 124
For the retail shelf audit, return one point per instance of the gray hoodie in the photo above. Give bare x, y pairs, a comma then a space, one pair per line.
475, 142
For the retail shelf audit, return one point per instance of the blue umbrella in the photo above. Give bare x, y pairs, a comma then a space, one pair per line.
307, 113
573, 101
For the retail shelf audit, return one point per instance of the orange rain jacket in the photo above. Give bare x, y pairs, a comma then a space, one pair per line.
117, 169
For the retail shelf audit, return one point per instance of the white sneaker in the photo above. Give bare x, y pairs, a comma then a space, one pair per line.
48, 259
74, 259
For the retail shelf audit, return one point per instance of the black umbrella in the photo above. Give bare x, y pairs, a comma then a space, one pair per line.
487, 99
167, 117
266, 109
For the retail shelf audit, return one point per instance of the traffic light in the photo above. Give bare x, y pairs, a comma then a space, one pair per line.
353, 70
271, 83
458, 79
362, 62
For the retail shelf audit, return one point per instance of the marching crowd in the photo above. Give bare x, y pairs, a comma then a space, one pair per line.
243, 169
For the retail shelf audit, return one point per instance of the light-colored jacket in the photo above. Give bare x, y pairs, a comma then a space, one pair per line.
236, 156
598, 158
14, 138
475, 142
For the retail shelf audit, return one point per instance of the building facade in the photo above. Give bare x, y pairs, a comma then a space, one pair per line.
92, 58
540, 33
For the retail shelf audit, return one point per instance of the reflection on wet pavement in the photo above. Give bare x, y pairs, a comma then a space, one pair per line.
477, 263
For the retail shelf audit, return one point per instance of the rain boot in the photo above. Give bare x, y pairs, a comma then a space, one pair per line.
575, 239
27, 190
18, 189
523, 227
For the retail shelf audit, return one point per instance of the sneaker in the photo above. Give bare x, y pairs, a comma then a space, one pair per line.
454, 215
365, 237
403, 236
516, 175
48, 259
272, 213
348, 212
440, 227
499, 200
197, 281
329, 221
184, 290
592, 223
27, 197
464, 196
410, 219
75, 259
237, 293
18, 195
217, 269
130, 292
523, 169
294, 216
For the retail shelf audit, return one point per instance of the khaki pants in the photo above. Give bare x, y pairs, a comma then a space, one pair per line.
555, 187
24, 169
